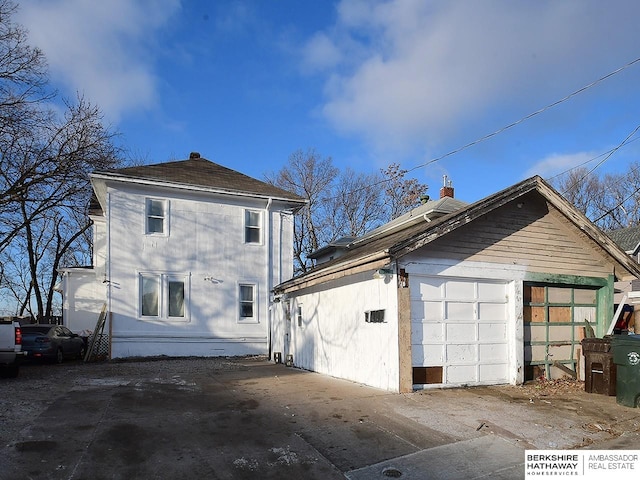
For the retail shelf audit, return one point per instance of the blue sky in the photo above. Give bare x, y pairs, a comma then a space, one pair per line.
368, 83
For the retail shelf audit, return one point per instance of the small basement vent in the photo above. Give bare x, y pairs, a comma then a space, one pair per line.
374, 316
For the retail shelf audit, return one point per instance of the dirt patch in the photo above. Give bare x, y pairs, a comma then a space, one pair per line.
549, 388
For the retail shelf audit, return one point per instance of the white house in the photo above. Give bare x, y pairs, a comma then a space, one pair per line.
186, 254
494, 292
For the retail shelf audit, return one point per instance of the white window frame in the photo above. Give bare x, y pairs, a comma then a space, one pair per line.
164, 279
247, 215
255, 318
164, 217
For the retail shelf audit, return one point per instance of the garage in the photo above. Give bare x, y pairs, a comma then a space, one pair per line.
459, 331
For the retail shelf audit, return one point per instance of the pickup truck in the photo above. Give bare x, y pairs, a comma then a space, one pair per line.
10, 348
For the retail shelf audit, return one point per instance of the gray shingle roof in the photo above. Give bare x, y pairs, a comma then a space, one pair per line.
626, 238
200, 172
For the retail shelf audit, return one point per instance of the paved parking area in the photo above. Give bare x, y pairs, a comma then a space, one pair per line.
248, 418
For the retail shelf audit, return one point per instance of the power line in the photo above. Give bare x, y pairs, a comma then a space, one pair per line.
529, 116
608, 155
588, 161
513, 124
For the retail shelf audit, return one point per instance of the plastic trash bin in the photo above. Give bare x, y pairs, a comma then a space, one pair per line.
626, 356
599, 368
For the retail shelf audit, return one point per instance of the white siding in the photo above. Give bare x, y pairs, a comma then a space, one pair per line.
206, 245
333, 337
83, 296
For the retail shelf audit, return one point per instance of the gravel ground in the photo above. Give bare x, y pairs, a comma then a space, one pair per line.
38, 385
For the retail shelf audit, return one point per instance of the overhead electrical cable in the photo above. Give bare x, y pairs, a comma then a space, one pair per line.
608, 155
588, 161
529, 116
513, 124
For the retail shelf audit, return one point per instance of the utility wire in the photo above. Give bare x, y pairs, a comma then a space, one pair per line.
517, 122
610, 211
607, 156
529, 116
588, 161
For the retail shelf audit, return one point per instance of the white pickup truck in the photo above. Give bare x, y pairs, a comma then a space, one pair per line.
10, 348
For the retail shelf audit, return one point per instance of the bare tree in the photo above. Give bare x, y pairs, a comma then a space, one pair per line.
611, 202
309, 175
400, 194
584, 190
355, 205
45, 161
341, 204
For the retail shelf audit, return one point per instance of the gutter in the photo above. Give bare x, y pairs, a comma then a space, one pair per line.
340, 270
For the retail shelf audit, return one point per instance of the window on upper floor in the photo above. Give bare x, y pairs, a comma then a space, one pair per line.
252, 226
156, 216
163, 296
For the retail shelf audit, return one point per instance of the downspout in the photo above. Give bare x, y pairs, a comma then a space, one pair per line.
107, 271
269, 269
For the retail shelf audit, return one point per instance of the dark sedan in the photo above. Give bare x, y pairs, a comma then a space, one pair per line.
51, 342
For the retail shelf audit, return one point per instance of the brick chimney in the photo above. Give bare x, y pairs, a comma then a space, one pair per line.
447, 188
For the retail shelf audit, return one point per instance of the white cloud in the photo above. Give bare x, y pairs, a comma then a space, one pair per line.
557, 163
320, 53
102, 50
416, 71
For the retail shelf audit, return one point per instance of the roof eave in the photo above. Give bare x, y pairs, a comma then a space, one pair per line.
334, 271
185, 186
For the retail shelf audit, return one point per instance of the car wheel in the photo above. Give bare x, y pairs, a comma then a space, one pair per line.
59, 356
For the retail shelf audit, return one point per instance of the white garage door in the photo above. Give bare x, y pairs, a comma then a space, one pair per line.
459, 331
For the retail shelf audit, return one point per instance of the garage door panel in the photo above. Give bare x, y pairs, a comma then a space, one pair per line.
459, 333
427, 355
534, 351
492, 292
426, 311
457, 354
459, 289
461, 374
490, 373
491, 352
430, 288
460, 311
491, 311
492, 332
560, 332
536, 333
427, 333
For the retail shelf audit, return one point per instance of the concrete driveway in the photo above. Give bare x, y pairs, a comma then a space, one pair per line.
248, 419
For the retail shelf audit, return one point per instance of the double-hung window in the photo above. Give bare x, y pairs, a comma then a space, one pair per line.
156, 216
252, 224
164, 296
247, 303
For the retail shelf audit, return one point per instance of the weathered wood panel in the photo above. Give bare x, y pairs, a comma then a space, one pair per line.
531, 235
